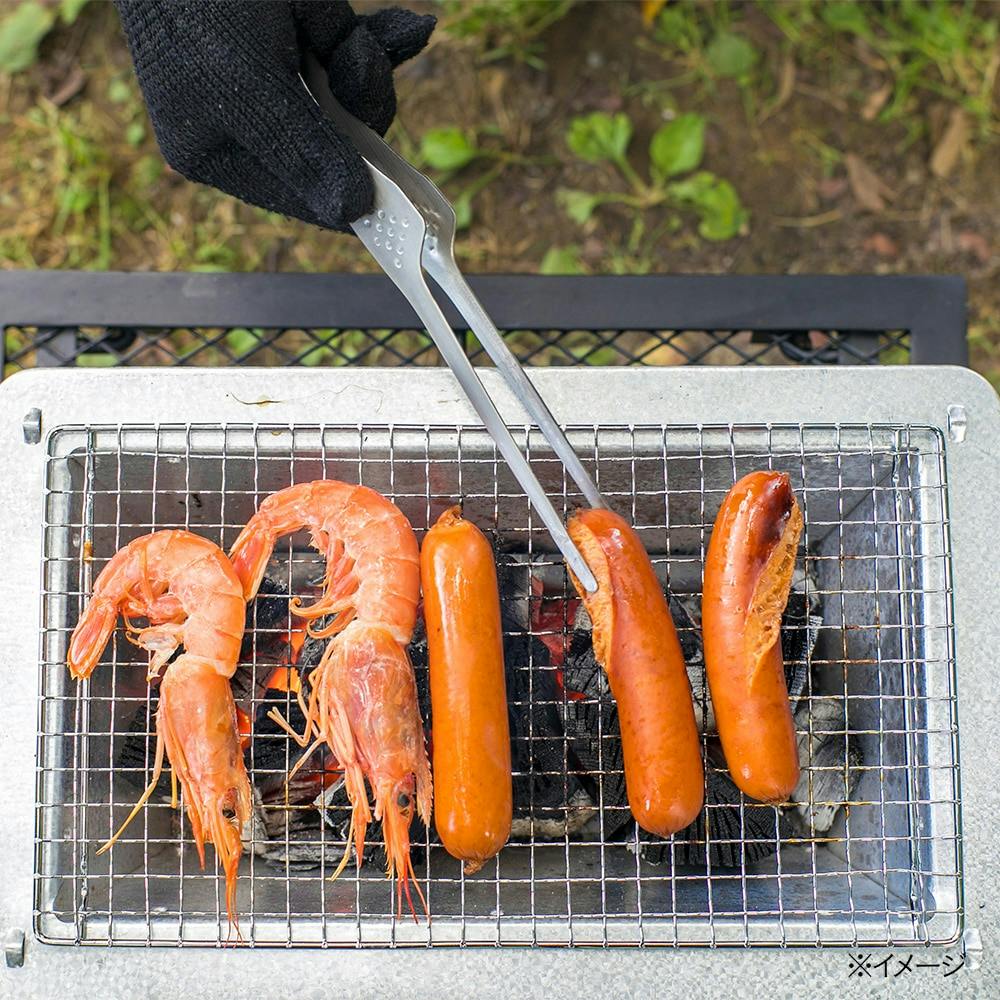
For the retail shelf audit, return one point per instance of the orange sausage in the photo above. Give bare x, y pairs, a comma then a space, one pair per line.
473, 795
748, 574
636, 643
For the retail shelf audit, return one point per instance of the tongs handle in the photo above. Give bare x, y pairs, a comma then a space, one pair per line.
444, 271
441, 332
396, 234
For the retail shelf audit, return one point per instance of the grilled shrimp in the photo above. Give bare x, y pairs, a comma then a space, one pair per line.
363, 695
186, 588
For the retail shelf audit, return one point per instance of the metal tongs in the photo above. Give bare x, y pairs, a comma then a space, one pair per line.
412, 230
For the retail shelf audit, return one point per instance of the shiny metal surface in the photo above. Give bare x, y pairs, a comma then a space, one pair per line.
412, 229
912, 399
876, 544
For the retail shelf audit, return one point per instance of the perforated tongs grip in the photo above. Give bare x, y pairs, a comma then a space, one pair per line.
412, 230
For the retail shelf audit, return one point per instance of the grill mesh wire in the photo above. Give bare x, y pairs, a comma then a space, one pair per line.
875, 546
62, 347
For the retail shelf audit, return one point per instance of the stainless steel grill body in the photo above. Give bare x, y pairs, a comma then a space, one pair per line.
879, 549
876, 544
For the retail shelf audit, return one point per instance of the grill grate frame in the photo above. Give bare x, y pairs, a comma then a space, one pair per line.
670, 481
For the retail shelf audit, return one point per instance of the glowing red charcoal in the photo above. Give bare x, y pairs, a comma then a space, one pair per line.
551, 620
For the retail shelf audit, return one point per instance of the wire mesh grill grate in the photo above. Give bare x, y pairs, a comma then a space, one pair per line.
62, 347
869, 852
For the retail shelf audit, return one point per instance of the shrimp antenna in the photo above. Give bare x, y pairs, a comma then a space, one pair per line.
144, 798
404, 878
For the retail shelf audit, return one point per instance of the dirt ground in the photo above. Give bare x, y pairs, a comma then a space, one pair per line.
828, 185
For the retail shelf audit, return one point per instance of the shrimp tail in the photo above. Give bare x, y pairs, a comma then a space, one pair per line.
90, 636
250, 554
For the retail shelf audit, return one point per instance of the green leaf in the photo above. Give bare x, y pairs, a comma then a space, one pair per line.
716, 202
729, 54
678, 146
722, 213
321, 353
847, 16
96, 359
448, 148
76, 199
211, 253
561, 260
463, 210
678, 27
692, 189
242, 341
20, 34
135, 133
598, 136
578, 205
69, 10
119, 91
602, 356
319, 356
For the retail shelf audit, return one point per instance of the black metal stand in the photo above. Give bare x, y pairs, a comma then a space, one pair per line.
66, 318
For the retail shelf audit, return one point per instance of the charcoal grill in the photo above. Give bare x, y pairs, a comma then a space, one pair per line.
895, 469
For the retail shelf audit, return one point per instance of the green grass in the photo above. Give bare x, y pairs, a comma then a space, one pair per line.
504, 29
946, 49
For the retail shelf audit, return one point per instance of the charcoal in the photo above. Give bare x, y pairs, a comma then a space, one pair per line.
550, 799
301, 850
555, 823
688, 631
800, 626
265, 641
547, 799
291, 833
514, 583
592, 722
730, 832
419, 659
831, 765
312, 649
272, 753
268, 613
137, 750
589, 722
547, 785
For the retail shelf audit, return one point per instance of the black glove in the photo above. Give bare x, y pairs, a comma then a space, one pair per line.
220, 81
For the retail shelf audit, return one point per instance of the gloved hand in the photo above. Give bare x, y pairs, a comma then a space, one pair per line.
228, 109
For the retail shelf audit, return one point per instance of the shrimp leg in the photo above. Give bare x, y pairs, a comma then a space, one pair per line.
144, 798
